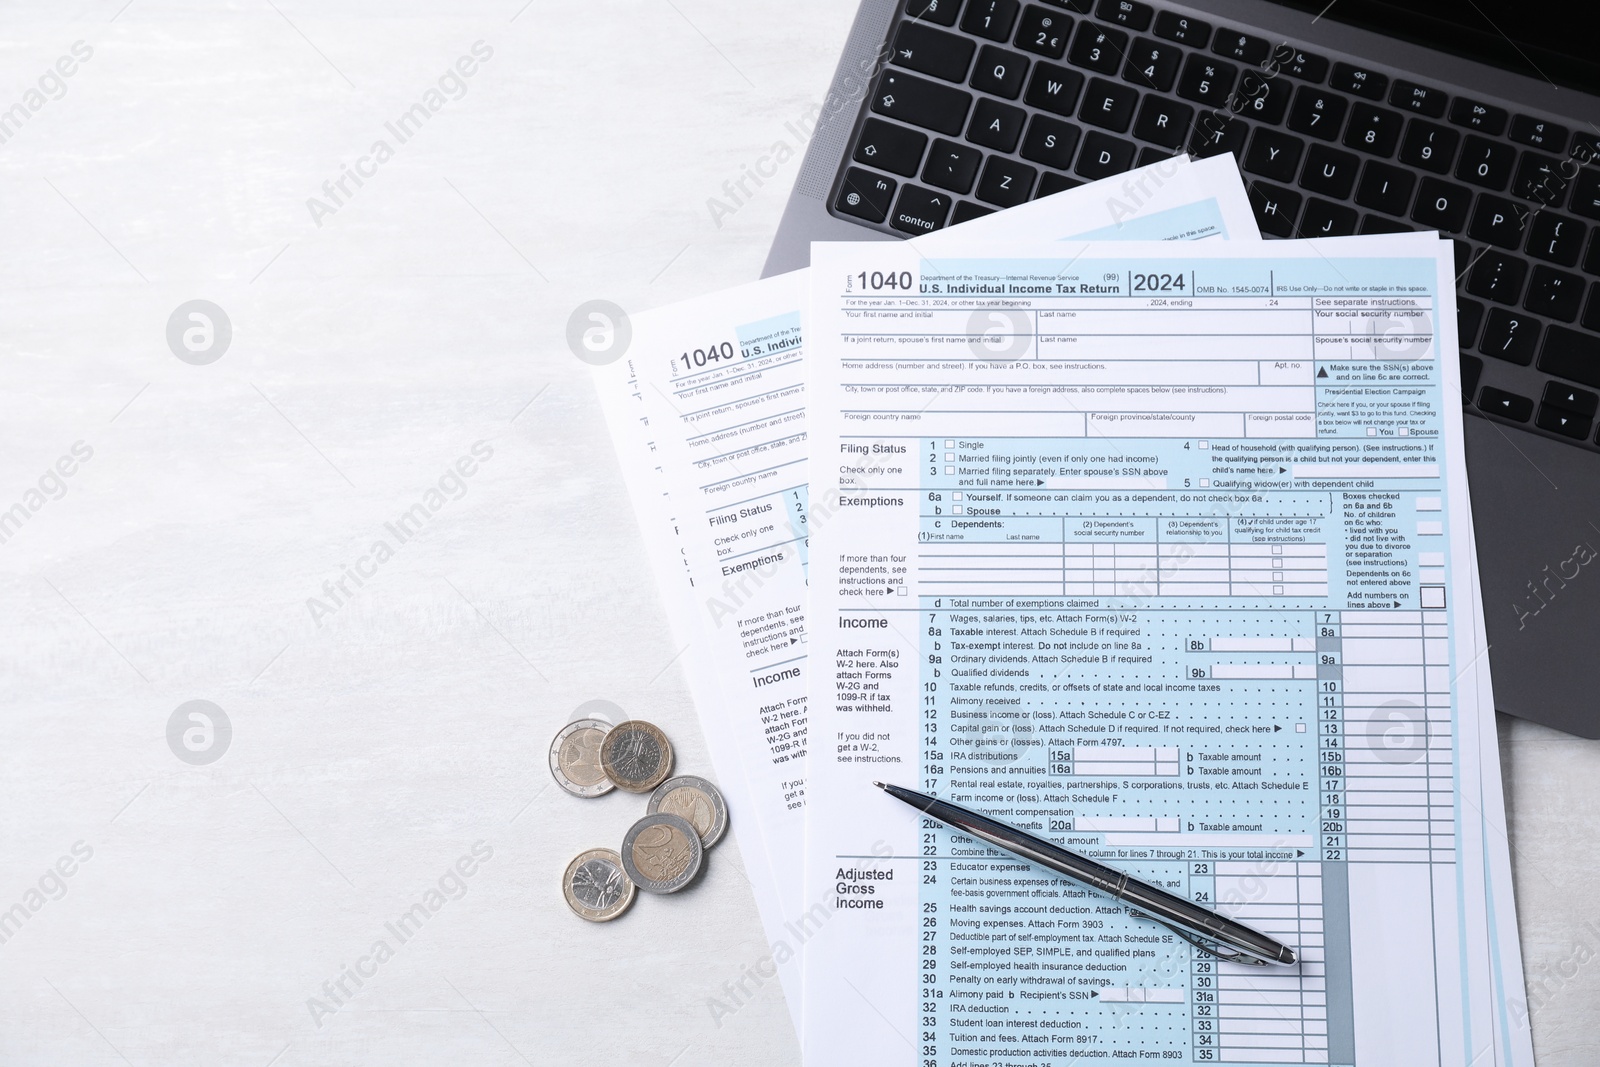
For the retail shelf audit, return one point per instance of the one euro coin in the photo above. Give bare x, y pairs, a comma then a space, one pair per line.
596, 886
636, 756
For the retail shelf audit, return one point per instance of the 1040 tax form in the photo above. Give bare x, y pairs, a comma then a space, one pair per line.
1180, 577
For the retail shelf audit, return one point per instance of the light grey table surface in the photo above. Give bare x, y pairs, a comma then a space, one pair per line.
377, 337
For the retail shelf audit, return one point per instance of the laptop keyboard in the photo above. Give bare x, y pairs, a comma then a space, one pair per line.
985, 104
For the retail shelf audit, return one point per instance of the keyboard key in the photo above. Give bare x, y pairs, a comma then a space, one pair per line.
1368, 84
1274, 155
1054, 88
998, 72
1486, 163
1216, 134
1469, 316
1275, 208
1476, 116
1129, 13
1385, 188
1317, 113
1409, 96
990, 18
952, 166
865, 195
921, 103
1183, 29
1498, 277
1082, 7
1586, 192
1591, 310
923, 48
1570, 354
1150, 154
1511, 336
1331, 172
1555, 238
1108, 105
1506, 405
1005, 182
1104, 155
942, 12
1043, 31
1471, 372
1323, 219
1537, 133
1207, 81
1554, 293
1462, 255
1232, 44
1373, 129
1098, 48
1565, 396
1429, 147
996, 125
1566, 423
920, 210
890, 147
1050, 141
1050, 182
966, 211
1152, 65
1498, 221
1163, 122
1539, 179
1264, 99
1302, 65
1379, 224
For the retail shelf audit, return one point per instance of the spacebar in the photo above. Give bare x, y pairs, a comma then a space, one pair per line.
921, 103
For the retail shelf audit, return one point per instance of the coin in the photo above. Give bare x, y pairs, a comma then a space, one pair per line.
636, 756
575, 758
662, 853
596, 886
697, 801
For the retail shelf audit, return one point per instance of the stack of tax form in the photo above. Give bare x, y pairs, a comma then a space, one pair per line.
1107, 519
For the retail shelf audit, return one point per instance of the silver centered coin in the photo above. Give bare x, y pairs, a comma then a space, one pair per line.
636, 755
696, 800
575, 758
596, 887
662, 853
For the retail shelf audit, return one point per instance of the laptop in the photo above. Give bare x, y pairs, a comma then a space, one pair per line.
1476, 119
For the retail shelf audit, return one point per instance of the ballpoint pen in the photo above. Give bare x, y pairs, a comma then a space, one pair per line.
1215, 934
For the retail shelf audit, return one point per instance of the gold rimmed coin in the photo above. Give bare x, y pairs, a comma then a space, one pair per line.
596, 886
662, 853
575, 758
696, 800
636, 756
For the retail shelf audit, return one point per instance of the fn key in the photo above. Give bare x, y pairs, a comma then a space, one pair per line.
865, 195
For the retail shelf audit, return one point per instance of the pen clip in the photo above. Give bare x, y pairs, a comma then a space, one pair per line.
1213, 948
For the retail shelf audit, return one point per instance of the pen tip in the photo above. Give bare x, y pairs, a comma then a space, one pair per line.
880, 785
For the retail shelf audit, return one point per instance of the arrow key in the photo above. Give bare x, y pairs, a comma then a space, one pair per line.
1506, 405
1564, 422
1579, 401
931, 51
